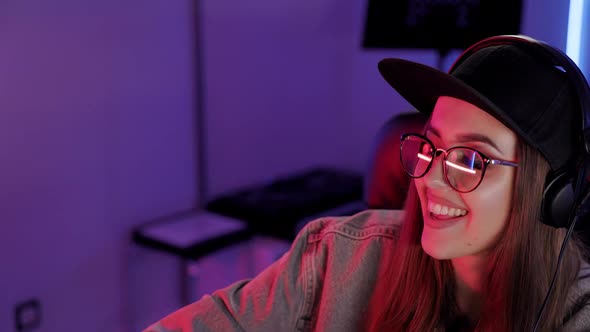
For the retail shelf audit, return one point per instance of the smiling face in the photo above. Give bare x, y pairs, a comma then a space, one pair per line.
466, 224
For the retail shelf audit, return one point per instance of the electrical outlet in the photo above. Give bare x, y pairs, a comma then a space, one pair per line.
27, 315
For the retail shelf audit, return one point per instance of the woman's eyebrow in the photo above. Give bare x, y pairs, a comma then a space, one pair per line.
470, 137
473, 137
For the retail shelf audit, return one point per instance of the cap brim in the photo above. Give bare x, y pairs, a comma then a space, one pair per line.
422, 85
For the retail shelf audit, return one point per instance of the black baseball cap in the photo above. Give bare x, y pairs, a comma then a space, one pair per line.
525, 91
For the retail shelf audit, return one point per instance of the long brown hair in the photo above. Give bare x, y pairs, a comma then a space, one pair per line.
422, 293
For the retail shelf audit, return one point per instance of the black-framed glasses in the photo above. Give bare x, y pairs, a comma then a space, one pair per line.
463, 167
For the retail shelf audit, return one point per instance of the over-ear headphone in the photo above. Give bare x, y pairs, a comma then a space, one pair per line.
559, 196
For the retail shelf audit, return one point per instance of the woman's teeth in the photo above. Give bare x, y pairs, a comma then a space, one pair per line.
443, 210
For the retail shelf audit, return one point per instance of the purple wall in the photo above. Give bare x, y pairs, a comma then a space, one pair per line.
96, 131
96, 113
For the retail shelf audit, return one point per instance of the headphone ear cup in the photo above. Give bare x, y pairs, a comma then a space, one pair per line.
558, 200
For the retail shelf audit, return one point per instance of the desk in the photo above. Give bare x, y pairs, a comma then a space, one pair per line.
191, 236
240, 233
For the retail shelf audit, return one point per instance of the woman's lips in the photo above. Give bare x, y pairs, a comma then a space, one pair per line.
439, 222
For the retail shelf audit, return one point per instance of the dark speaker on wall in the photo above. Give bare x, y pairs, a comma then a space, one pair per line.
438, 24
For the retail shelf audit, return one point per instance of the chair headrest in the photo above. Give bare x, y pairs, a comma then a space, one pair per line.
386, 184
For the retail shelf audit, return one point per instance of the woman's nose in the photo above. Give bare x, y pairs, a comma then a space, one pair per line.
435, 176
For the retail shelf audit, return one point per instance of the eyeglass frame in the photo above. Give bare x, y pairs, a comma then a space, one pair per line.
437, 152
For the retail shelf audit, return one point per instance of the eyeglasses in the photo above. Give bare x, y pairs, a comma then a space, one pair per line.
463, 167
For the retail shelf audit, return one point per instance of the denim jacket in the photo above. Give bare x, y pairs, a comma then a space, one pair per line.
328, 281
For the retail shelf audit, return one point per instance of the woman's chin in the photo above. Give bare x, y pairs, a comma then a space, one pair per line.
436, 249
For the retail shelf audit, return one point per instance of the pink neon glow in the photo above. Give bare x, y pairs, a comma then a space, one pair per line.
460, 167
423, 157
465, 169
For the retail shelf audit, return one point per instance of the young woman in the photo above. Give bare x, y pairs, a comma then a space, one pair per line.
472, 250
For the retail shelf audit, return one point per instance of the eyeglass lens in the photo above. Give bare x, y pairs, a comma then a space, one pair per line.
463, 167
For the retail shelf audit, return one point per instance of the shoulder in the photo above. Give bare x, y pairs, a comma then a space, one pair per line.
359, 243
376, 229
343, 261
363, 225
